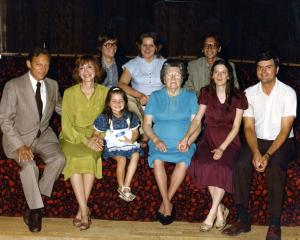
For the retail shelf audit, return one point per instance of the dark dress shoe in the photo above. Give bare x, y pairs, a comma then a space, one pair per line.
274, 233
166, 220
26, 215
159, 215
237, 228
35, 221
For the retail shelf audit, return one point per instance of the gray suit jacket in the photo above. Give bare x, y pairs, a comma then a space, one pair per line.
19, 117
199, 74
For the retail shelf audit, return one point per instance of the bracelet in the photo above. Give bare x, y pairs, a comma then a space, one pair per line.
268, 155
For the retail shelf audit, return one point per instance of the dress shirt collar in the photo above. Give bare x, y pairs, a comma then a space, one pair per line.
34, 82
105, 65
260, 90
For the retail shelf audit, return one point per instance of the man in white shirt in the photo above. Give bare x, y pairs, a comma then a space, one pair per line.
26, 107
268, 130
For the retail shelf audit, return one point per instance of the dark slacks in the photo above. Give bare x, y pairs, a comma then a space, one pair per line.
275, 174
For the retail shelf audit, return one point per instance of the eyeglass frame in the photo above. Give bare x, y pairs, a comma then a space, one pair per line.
110, 45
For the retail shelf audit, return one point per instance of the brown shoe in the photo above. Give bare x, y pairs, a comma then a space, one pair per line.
274, 233
237, 228
35, 221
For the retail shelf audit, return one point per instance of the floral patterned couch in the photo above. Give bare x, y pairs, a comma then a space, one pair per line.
191, 204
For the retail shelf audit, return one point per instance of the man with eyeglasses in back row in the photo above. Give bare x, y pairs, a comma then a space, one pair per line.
199, 69
112, 64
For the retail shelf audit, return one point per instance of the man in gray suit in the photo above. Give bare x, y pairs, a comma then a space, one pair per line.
26, 107
199, 69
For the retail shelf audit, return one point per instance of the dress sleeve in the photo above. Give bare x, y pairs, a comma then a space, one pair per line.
203, 97
193, 104
289, 104
249, 112
69, 132
130, 65
242, 102
134, 122
150, 107
100, 123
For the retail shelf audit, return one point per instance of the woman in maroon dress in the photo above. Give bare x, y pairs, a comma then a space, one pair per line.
223, 105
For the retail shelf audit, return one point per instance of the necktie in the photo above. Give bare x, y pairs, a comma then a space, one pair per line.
39, 103
39, 99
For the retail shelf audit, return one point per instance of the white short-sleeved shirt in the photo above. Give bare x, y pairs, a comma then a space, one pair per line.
268, 110
145, 76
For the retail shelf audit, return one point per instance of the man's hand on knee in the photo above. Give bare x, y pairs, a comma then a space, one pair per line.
25, 154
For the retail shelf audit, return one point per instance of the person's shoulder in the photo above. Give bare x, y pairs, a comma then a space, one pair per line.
252, 90
72, 89
188, 92
51, 81
196, 62
101, 88
133, 61
286, 88
18, 79
160, 59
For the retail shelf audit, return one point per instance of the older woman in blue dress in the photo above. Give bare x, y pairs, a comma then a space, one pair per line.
167, 117
144, 74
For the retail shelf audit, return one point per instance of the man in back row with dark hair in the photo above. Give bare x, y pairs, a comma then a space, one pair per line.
199, 69
268, 130
26, 107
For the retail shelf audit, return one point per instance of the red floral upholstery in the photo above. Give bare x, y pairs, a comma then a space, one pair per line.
191, 204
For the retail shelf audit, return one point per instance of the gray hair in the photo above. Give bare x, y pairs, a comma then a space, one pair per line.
172, 63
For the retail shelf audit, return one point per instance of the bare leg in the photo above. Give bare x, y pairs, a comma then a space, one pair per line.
78, 187
121, 164
88, 181
217, 195
131, 168
177, 177
161, 179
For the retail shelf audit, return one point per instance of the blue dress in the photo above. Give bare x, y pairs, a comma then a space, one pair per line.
171, 116
115, 129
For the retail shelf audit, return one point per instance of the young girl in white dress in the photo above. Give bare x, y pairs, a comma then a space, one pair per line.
120, 128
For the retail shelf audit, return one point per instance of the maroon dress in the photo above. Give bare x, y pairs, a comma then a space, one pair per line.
204, 170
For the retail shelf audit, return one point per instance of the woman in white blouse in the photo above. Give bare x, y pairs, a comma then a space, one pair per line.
143, 72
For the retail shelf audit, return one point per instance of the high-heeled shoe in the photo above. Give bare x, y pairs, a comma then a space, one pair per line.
204, 227
220, 225
76, 222
84, 224
89, 216
166, 220
159, 215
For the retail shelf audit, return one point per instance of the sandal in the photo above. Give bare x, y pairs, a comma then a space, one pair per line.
220, 225
85, 225
126, 194
204, 227
77, 222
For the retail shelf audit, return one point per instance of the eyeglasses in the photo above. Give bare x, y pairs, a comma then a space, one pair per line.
210, 46
172, 75
109, 44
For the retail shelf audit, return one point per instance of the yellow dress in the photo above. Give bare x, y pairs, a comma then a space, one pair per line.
78, 115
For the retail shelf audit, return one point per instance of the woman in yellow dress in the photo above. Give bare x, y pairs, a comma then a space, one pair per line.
82, 103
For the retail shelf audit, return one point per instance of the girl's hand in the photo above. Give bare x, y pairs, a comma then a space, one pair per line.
218, 153
160, 145
183, 145
95, 143
126, 140
143, 99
